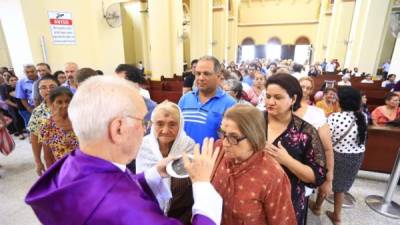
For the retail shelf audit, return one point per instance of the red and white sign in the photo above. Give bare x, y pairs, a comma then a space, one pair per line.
62, 29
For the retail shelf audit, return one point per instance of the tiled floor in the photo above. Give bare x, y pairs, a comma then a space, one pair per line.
17, 175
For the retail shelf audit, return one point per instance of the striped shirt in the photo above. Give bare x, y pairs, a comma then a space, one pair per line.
204, 119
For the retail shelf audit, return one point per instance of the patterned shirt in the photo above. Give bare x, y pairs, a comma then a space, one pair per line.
60, 141
38, 117
254, 192
339, 124
302, 142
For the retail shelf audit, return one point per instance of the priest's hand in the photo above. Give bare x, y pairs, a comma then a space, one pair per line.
202, 165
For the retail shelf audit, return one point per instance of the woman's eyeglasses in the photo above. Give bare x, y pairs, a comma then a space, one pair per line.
233, 140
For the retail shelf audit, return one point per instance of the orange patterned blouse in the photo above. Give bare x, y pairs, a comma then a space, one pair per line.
255, 192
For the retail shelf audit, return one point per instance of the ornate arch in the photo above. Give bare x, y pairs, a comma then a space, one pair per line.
274, 40
302, 40
248, 41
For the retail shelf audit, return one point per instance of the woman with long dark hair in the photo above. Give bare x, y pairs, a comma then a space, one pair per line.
349, 133
293, 142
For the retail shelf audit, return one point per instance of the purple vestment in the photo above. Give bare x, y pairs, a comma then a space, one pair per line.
82, 189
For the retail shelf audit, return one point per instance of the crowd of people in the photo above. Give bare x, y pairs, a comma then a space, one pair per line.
261, 142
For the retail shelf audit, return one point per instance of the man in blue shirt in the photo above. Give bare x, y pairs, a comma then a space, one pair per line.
70, 72
204, 107
23, 91
248, 79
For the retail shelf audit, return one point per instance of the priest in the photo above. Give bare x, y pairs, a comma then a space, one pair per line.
92, 186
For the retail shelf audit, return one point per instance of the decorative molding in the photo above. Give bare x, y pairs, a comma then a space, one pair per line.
278, 23
218, 8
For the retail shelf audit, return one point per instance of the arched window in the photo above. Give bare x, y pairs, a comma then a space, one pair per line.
248, 49
273, 49
302, 50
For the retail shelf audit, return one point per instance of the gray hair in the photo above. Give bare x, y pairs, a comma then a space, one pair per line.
97, 102
72, 64
26, 66
169, 107
215, 61
235, 86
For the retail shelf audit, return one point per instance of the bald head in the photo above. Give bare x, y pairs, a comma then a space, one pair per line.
70, 71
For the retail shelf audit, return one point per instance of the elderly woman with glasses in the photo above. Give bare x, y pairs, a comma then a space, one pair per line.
253, 186
167, 138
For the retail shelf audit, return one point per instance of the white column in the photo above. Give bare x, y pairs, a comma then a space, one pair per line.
200, 28
16, 34
367, 36
395, 62
220, 30
166, 46
339, 31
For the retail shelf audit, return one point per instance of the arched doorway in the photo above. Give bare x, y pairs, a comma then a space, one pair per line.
302, 51
247, 49
273, 49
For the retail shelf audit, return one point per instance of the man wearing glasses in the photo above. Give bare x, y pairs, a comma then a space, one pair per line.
92, 185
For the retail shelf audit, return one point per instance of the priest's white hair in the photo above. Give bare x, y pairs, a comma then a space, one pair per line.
97, 101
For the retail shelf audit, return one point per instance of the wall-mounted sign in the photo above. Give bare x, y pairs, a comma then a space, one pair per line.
62, 29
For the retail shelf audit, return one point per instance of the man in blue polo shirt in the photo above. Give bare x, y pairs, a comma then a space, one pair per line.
23, 91
204, 107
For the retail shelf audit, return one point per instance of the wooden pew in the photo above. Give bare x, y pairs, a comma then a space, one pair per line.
155, 85
175, 85
381, 149
160, 95
175, 77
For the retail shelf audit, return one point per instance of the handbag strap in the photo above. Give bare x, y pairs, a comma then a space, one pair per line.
345, 134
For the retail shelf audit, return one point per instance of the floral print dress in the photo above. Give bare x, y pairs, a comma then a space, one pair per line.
302, 142
39, 116
60, 141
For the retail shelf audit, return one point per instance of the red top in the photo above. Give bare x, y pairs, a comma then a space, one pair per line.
256, 191
380, 118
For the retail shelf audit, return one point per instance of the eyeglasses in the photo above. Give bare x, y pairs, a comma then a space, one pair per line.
47, 87
145, 123
231, 139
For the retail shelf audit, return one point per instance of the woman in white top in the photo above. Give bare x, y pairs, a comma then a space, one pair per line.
367, 79
349, 131
345, 80
316, 117
167, 138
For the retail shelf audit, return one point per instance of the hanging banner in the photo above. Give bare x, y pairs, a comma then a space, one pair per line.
62, 29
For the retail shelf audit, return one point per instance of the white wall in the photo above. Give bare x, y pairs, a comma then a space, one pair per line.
16, 36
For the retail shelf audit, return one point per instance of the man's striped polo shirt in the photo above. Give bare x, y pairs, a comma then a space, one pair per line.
204, 119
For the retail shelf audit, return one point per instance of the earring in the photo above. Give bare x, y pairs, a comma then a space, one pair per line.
292, 108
